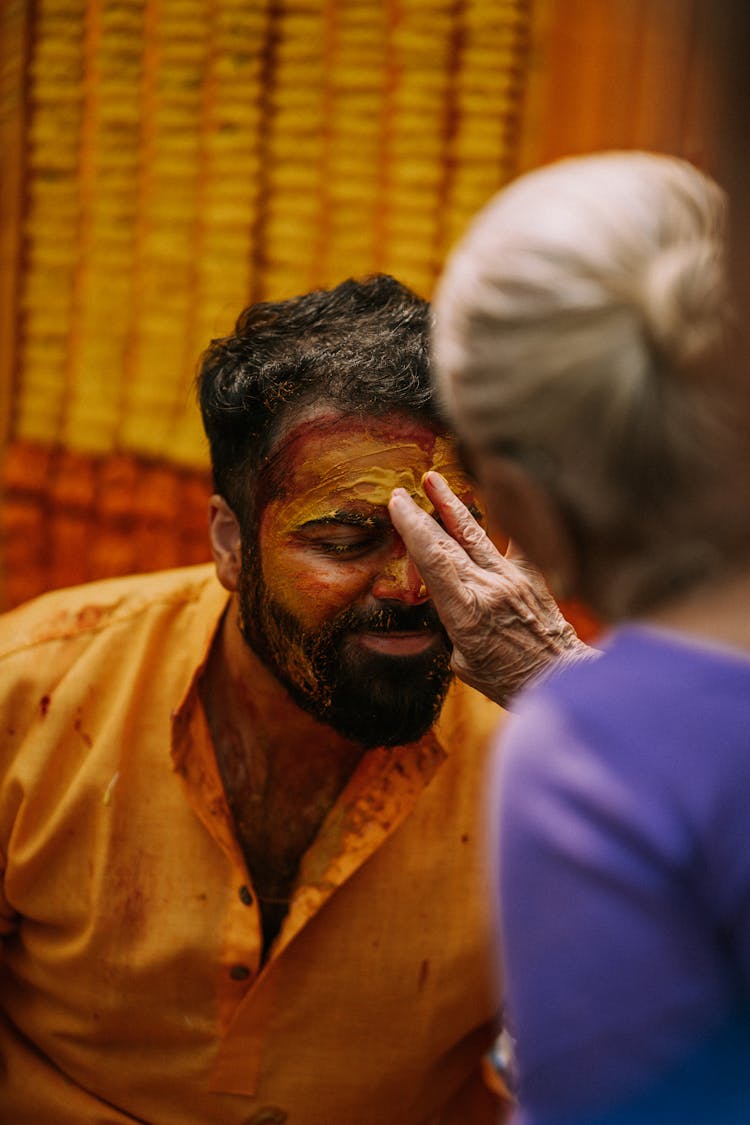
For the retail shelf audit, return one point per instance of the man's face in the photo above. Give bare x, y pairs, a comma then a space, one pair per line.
329, 598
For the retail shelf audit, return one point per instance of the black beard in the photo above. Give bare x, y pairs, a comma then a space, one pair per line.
369, 697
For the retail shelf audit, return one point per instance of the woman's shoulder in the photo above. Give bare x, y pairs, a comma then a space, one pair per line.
641, 671
657, 722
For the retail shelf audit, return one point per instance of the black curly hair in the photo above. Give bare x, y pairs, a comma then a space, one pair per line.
361, 346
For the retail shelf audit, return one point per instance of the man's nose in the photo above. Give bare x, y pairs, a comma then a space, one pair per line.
399, 580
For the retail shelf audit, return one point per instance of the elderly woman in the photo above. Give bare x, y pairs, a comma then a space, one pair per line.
582, 347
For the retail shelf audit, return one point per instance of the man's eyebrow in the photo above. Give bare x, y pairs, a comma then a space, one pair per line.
362, 519
350, 519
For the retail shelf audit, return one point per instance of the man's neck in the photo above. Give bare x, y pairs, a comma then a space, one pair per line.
282, 770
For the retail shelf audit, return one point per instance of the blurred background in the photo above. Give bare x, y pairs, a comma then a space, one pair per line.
166, 162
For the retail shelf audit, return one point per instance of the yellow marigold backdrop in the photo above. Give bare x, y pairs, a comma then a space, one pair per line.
165, 162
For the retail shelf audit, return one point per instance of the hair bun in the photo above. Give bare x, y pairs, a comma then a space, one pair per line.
685, 302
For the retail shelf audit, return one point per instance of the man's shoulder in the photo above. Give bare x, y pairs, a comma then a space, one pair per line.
468, 719
78, 611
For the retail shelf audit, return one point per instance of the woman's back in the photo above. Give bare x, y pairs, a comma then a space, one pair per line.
625, 794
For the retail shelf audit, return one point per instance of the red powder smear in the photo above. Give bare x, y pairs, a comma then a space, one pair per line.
393, 428
44, 703
400, 427
90, 615
78, 727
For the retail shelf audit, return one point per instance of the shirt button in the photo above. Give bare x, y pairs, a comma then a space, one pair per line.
245, 895
239, 972
268, 1115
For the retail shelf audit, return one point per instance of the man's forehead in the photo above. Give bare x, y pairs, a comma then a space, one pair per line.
329, 462
322, 432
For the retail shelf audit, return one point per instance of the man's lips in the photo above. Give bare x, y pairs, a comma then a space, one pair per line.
397, 642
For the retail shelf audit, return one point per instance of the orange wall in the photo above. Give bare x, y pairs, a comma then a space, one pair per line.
618, 74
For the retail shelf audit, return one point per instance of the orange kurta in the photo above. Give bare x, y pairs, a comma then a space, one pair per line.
130, 980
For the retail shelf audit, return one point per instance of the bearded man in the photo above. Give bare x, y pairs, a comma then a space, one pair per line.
241, 820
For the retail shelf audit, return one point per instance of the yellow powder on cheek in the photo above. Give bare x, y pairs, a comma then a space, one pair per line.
307, 583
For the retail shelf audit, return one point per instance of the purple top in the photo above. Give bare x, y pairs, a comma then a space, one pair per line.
624, 793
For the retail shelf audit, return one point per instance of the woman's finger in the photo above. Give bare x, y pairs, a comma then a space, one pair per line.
443, 563
461, 525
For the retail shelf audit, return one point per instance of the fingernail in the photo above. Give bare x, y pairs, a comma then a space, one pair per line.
437, 481
398, 495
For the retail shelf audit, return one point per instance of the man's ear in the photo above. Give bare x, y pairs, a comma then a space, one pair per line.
531, 518
226, 542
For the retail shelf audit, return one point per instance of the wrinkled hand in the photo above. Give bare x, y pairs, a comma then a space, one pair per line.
504, 623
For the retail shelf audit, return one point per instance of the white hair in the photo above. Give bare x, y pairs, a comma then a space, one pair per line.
581, 326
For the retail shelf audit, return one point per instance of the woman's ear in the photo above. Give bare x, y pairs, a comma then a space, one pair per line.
226, 542
531, 518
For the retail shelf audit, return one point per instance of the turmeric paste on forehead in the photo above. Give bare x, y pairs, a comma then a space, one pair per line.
366, 472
